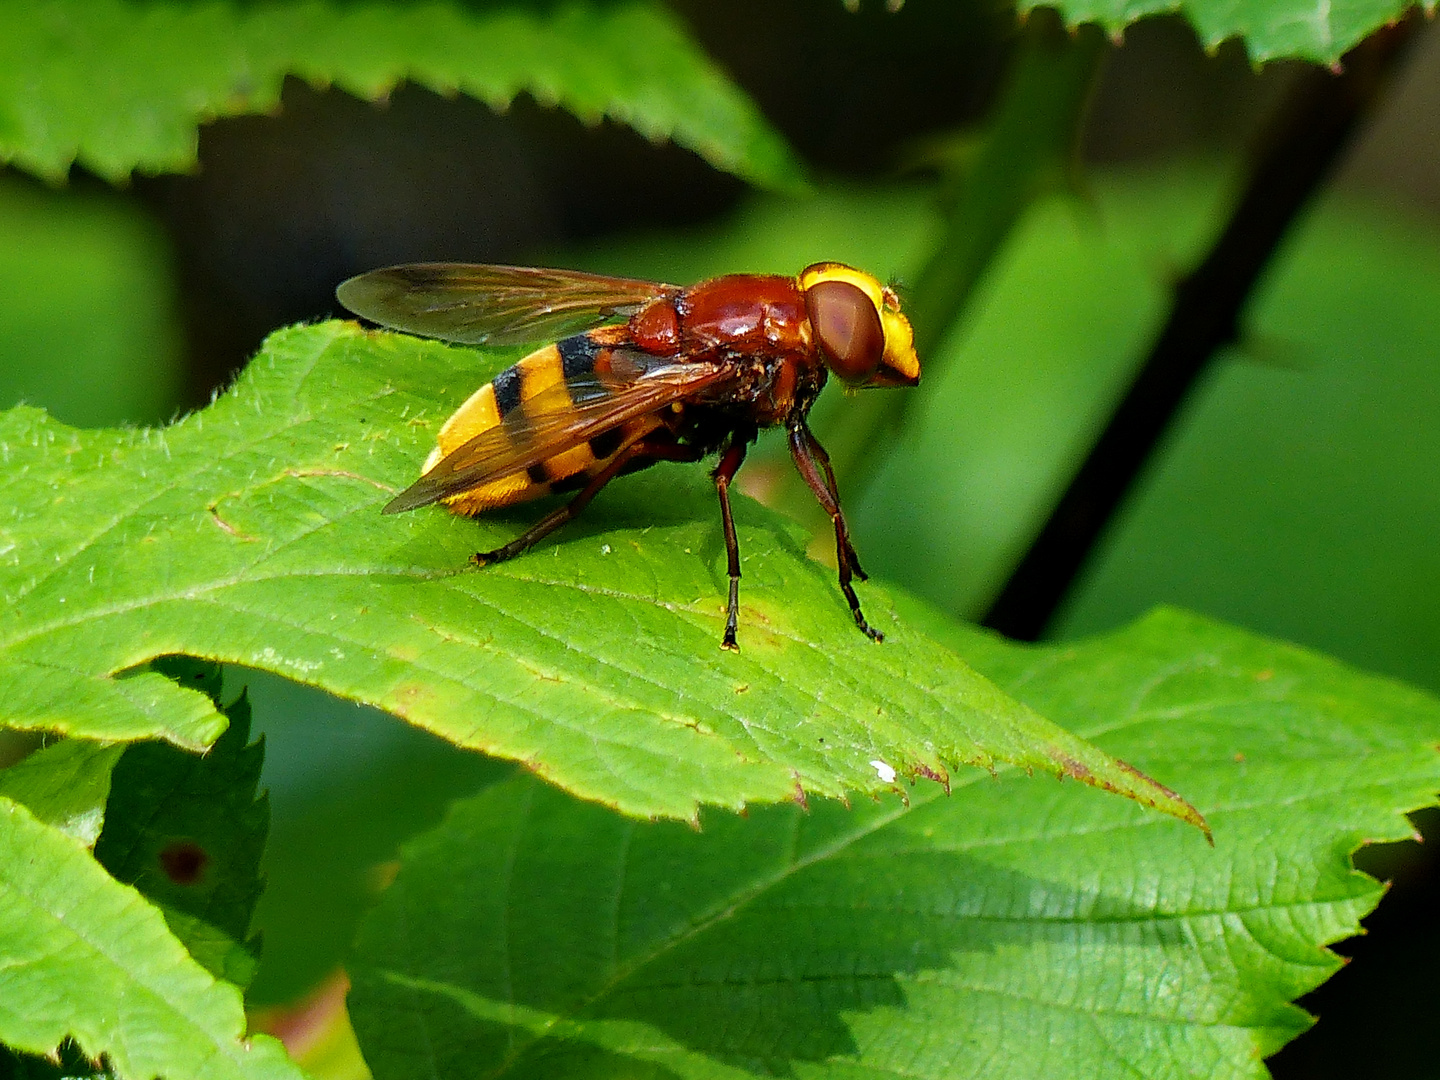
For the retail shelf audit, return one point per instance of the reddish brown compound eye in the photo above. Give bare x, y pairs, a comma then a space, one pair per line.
847, 327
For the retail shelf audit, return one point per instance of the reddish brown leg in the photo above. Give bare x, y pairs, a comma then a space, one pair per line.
810, 459
730, 462
645, 450
821, 456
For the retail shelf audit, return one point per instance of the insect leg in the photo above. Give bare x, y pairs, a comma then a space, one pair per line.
805, 451
730, 462
818, 452
640, 452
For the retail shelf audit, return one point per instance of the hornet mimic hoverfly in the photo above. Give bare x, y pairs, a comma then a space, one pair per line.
650, 373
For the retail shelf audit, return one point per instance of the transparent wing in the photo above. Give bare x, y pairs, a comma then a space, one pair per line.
493, 305
560, 417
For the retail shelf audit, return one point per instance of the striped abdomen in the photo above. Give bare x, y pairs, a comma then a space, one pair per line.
519, 396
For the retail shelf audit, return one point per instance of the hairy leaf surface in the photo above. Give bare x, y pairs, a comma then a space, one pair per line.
250, 532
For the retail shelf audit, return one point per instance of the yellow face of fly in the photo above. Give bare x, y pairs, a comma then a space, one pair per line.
863, 348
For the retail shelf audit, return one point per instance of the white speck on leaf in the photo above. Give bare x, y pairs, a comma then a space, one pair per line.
884, 771
270, 656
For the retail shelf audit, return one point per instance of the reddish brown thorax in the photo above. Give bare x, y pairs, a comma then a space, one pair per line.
656, 327
741, 312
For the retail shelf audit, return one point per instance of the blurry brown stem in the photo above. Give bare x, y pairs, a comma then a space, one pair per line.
1313, 126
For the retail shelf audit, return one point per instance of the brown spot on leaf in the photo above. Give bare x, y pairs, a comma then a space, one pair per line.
1074, 769
942, 777
184, 861
225, 526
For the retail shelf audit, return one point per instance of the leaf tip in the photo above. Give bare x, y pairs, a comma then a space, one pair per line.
1149, 792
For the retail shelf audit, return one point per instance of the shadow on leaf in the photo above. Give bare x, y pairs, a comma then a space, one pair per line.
532, 928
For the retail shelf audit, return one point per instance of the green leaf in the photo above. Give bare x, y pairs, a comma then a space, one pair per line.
1013, 929
1270, 29
132, 706
119, 85
86, 957
250, 532
188, 832
65, 785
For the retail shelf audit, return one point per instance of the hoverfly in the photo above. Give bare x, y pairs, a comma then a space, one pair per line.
648, 373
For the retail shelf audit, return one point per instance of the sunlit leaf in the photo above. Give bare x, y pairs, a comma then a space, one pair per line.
65, 785
250, 532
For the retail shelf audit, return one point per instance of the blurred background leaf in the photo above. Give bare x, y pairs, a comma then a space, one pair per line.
347, 785
1267, 28
121, 86
1299, 492
88, 323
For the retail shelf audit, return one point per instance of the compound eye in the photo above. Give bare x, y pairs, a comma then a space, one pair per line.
847, 327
